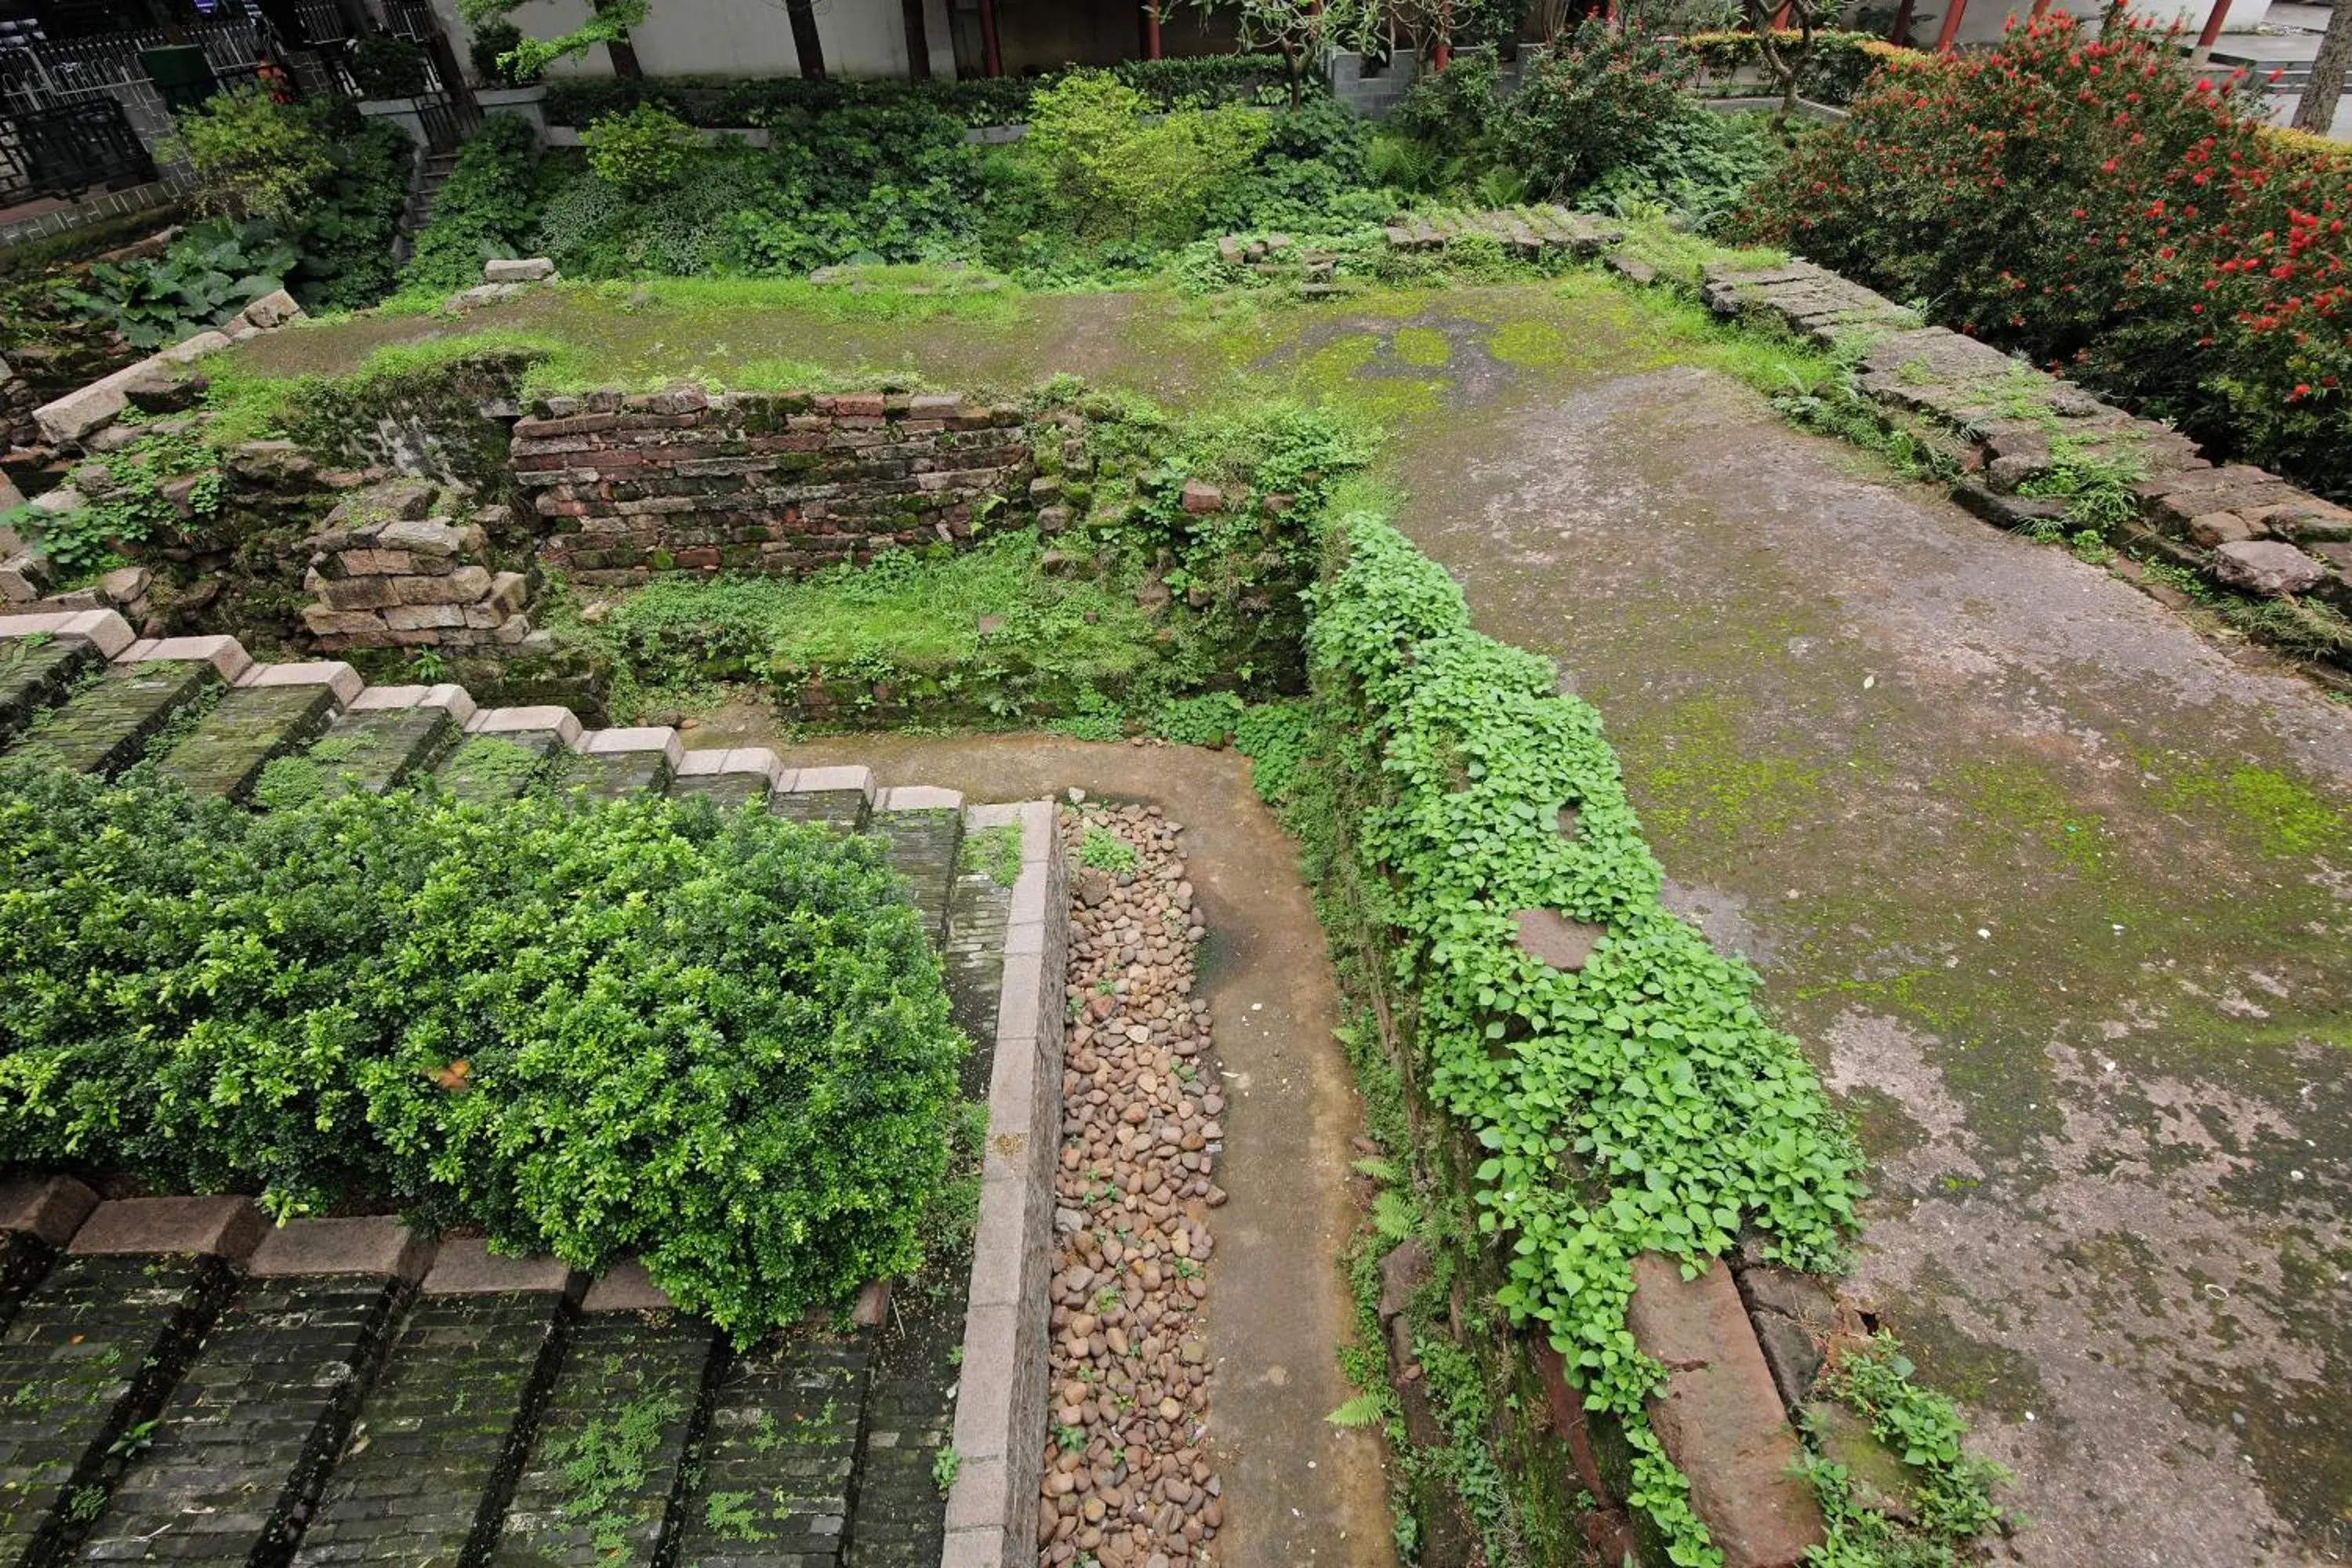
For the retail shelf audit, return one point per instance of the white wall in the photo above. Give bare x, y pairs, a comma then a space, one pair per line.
861, 38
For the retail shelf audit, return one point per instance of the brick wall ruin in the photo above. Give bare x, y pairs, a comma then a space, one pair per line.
777, 482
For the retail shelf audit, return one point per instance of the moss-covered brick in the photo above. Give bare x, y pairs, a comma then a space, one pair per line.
372, 751
601, 1482
725, 790
978, 912
900, 1518
35, 673
241, 1447
229, 746
921, 845
105, 725
424, 1479
842, 808
500, 767
776, 1485
86, 1361
24, 1258
616, 775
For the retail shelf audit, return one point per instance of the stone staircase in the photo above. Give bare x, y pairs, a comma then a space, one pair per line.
181, 1381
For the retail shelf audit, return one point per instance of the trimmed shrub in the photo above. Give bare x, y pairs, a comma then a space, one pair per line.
2088, 203
1834, 73
717, 1041
1594, 100
640, 152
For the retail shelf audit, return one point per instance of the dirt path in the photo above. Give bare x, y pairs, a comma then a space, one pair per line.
1298, 1490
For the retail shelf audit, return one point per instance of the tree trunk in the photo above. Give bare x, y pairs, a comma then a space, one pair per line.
918, 46
2317, 113
806, 43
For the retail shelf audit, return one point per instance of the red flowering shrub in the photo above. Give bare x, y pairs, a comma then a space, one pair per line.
2088, 203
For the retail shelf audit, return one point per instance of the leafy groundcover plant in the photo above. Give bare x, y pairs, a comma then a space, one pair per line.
719, 1041
1440, 783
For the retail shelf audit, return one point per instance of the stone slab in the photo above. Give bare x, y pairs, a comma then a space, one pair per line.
466, 1267
659, 738
457, 700
1719, 1414
225, 654
227, 1228
329, 672
108, 630
51, 1208
561, 721
373, 1244
626, 1286
919, 797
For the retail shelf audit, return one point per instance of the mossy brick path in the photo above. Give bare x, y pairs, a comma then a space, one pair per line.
35, 674
239, 1449
162, 1407
91, 1355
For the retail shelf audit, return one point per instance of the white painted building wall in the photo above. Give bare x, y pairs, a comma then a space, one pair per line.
738, 37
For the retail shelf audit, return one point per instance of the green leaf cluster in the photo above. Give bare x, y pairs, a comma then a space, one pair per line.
1640, 1104
717, 1041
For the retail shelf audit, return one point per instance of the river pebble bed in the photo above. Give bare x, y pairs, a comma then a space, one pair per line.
1127, 1482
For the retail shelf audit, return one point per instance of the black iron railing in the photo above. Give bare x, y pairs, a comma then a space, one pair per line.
69, 149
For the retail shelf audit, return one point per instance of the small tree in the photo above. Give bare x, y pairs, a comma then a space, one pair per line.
1304, 31
608, 22
1785, 59
253, 156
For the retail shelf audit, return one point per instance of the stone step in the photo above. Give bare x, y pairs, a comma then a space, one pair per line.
777, 1464
106, 724
224, 753
837, 797
425, 1477
243, 1444
88, 1361
502, 766
370, 751
605, 1478
35, 674
922, 829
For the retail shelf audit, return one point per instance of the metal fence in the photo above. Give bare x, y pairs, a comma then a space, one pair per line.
66, 150
56, 74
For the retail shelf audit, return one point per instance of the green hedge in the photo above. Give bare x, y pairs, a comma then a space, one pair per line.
1641, 1104
723, 102
717, 1041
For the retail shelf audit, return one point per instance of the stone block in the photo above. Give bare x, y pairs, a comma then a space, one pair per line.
2215, 529
423, 618
626, 1286
1200, 497
516, 720
455, 700
329, 672
519, 269
514, 630
126, 585
23, 578
2267, 567
109, 631
466, 1267
189, 350
166, 389
919, 797
464, 586
428, 538
359, 593
509, 591
323, 621
374, 1244
225, 654
1719, 1414
376, 562
817, 781
51, 1208
626, 742
221, 1227
273, 310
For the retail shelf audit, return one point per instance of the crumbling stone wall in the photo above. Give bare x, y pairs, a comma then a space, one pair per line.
389, 573
777, 482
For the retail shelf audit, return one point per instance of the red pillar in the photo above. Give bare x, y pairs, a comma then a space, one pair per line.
2041, 9
2213, 28
1780, 19
1151, 31
1943, 40
991, 53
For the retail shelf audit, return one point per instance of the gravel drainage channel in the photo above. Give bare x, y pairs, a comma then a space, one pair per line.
1126, 1480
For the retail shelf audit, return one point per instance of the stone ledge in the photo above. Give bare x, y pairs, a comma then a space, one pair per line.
221, 1227
375, 1244
456, 701
517, 721
821, 781
107, 631
329, 672
628, 742
466, 1267
225, 654
50, 1209
626, 1286
718, 761
919, 797
1000, 1406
